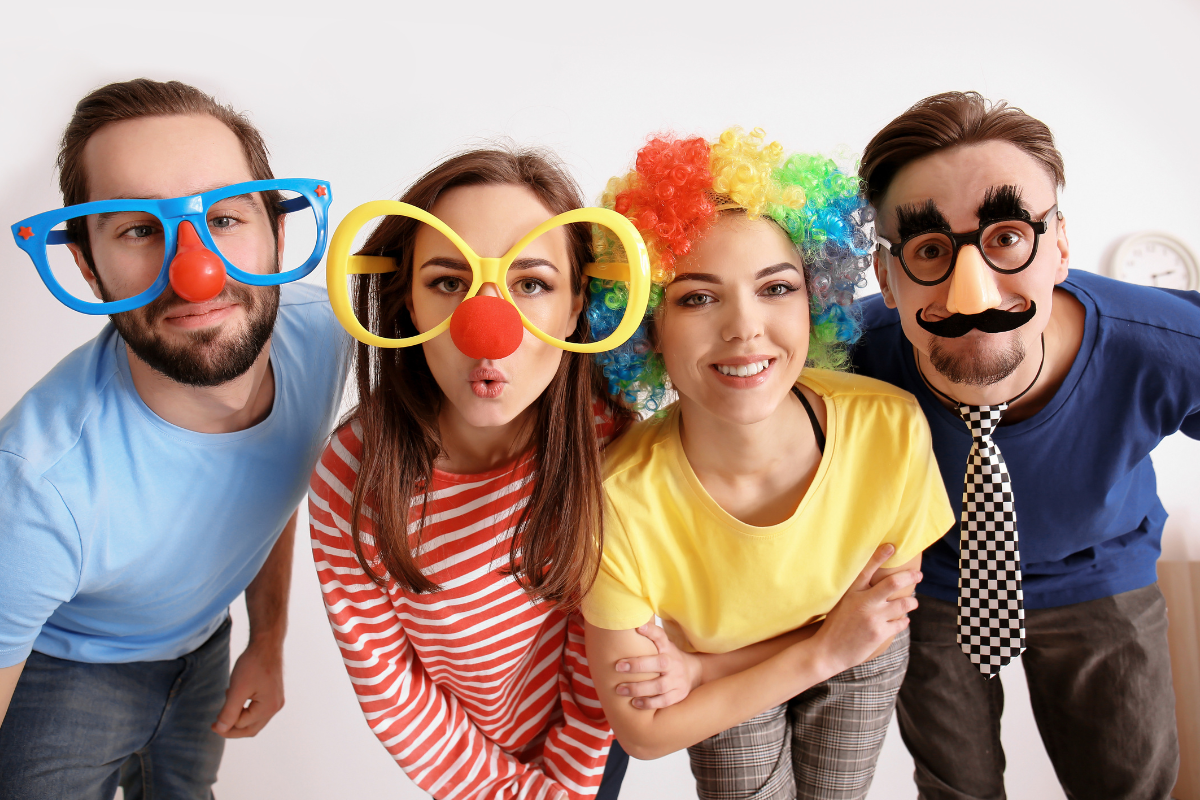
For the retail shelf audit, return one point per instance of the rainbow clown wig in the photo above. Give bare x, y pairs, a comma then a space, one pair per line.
675, 193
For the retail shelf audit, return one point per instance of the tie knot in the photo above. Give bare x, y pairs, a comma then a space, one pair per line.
982, 420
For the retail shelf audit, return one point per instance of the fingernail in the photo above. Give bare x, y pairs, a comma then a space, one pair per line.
220, 727
622, 666
638, 702
622, 690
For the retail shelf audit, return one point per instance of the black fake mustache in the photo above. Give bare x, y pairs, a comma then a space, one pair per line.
991, 321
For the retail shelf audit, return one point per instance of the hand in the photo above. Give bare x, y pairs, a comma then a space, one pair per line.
258, 677
867, 617
678, 672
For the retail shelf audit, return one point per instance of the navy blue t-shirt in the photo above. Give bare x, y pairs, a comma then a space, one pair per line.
1088, 514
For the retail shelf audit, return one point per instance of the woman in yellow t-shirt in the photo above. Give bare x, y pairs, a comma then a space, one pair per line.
773, 517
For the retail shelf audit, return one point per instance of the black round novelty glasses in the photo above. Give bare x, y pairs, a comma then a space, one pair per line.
1007, 245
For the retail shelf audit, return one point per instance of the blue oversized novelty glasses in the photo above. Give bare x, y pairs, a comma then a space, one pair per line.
138, 246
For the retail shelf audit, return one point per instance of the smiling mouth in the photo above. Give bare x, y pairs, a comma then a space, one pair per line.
743, 370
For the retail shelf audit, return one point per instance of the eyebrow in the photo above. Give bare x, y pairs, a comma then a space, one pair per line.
915, 218
708, 277
704, 277
461, 265
447, 263
1002, 202
531, 263
105, 217
782, 266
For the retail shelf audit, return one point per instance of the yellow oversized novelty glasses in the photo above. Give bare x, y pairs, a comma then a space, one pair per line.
340, 263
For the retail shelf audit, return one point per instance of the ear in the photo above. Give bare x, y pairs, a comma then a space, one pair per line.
85, 270
279, 239
883, 276
1064, 252
577, 303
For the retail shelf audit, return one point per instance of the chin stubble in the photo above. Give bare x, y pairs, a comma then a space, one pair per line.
979, 369
207, 357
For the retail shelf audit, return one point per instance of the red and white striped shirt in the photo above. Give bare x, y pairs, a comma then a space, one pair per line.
474, 690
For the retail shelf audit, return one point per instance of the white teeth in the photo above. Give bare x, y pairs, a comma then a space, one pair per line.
744, 370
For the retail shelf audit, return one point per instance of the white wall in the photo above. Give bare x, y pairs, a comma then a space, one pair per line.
370, 95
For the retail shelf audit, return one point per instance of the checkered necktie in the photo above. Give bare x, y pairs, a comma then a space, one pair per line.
991, 609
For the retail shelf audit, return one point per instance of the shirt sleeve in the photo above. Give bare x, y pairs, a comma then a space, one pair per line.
924, 514
577, 747
41, 554
421, 725
617, 600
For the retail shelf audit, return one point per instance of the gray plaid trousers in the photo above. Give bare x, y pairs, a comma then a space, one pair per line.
820, 745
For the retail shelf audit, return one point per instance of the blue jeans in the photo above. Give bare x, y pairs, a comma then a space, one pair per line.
77, 730
614, 772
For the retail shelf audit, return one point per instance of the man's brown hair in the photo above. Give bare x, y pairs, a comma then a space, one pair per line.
140, 98
947, 120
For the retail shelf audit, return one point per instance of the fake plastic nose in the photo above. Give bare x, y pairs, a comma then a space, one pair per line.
197, 273
486, 327
972, 287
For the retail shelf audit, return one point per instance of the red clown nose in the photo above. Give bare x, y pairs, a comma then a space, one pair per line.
197, 273
486, 327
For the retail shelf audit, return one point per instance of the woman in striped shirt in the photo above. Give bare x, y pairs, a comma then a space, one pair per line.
453, 512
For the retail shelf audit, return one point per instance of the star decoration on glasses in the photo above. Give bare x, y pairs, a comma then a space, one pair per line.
25, 233
321, 191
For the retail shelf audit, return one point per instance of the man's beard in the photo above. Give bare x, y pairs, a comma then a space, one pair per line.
978, 369
203, 360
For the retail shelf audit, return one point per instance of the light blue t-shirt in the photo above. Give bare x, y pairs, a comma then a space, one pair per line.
125, 538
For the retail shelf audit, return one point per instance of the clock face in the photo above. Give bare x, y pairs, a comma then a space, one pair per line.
1155, 259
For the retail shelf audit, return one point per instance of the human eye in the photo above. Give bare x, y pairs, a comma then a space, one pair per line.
778, 289
448, 284
224, 222
530, 287
1006, 237
695, 300
929, 250
139, 231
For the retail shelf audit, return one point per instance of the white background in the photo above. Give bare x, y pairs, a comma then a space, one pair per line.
370, 95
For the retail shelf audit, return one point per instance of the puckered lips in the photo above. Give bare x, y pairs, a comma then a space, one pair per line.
487, 382
743, 372
193, 316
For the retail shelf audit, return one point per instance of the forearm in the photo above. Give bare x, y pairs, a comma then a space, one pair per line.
712, 707
267, 594
721, 665
8, 684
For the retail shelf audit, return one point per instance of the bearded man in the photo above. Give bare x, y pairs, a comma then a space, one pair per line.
154, 474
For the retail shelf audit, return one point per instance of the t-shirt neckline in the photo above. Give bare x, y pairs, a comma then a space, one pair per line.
196, 437
723, 517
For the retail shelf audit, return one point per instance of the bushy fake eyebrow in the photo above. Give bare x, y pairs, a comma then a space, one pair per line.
915, 218
1002, 202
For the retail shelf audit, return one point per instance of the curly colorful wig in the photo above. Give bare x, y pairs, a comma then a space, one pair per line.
676, 191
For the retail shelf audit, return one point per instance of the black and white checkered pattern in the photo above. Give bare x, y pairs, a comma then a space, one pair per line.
991, 608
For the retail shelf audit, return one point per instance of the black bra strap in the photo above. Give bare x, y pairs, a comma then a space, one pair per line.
812, 416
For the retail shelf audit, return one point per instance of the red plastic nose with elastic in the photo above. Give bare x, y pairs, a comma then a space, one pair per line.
486, 327
197, 273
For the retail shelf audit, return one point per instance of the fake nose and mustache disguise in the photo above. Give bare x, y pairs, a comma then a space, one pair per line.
991, 321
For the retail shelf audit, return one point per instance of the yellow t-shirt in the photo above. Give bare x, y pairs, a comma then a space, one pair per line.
719, 584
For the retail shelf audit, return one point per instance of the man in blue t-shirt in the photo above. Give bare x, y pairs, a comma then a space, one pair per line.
980, 318
154, 474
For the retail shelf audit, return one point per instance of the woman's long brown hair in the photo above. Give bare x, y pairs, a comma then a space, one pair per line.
555, 548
